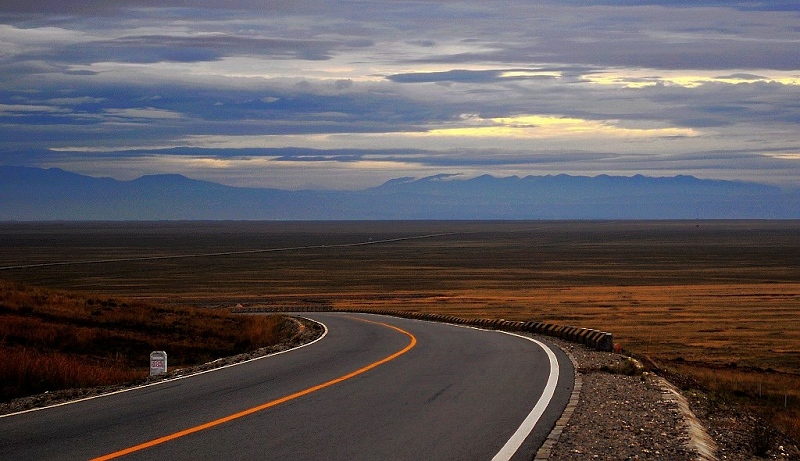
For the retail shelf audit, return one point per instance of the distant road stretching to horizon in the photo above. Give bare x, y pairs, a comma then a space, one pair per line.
224, 253
374, 387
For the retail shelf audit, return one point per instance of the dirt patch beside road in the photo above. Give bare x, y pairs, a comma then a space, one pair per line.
626, 413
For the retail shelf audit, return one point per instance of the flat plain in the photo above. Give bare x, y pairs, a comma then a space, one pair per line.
703, 297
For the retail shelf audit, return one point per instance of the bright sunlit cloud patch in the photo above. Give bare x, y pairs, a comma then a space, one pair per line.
530, 74
643, 78
497, 131
471, 131
541, 126
785, 155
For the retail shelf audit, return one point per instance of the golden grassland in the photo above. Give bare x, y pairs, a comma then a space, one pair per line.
715, 300
51, 340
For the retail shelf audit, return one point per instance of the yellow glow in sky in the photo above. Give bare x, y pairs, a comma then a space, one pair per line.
645, 78
470, 128
530, 73
540, 126
786, 156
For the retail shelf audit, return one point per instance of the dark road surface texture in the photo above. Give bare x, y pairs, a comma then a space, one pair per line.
445, 393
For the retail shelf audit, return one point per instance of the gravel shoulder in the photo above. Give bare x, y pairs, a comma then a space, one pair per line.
623, 413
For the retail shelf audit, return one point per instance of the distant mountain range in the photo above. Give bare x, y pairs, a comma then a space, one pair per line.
34, 194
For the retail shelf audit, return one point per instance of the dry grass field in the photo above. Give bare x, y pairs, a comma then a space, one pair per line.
716, 300
52, 340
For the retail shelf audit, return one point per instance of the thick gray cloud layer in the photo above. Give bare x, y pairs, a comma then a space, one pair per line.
349, 94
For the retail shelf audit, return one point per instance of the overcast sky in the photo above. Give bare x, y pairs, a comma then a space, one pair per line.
303, 94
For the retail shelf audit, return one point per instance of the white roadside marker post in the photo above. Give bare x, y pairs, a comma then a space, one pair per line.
158, 362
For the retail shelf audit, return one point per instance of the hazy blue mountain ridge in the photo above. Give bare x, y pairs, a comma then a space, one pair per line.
33, 194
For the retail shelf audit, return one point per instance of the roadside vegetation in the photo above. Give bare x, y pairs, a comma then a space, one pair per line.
772, 395
52, 340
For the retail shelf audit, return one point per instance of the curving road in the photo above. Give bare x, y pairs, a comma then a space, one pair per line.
373, 388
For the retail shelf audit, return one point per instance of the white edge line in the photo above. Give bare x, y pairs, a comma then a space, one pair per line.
324, 333
516, 440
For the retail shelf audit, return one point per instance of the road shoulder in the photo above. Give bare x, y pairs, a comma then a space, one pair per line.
624, 414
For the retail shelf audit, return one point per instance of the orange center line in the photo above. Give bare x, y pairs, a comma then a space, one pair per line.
270, 404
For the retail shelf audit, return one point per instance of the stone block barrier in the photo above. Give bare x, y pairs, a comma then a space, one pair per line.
277, 309
596, 339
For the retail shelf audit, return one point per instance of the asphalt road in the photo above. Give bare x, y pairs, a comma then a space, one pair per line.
386, 388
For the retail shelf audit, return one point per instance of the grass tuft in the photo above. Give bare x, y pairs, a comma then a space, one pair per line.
628, 367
